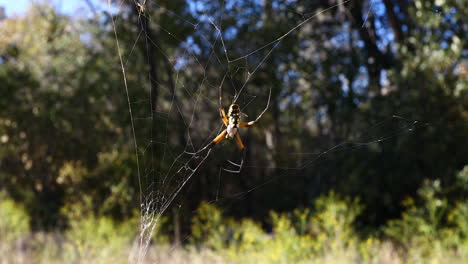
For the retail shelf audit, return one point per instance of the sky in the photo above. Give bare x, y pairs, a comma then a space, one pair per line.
65, 6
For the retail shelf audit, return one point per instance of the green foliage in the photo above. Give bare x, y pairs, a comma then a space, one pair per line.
421, 222
295, 238
161, 236
332, 224
109, 196
58, 110
462, 179
390, 102
326, 234
458, 216
247, 235
457, 233
208, 226
14, 221
97, 238
322, 234
433, 227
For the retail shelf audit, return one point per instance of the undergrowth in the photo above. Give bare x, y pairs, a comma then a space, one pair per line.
431, 230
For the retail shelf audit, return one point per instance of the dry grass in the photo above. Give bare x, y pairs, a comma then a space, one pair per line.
52, 249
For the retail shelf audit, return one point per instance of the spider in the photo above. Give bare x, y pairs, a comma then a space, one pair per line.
232, 121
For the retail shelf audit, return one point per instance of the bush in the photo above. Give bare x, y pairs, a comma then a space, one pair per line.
208, 227
14, 221
95, 238
433, 228
332, 224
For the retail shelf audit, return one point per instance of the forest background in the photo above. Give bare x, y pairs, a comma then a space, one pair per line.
361, 156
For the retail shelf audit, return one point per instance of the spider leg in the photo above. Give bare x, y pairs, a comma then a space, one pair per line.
210, 145
238, 165
239, 141
219, 137
251, 123
242, 148
223, 117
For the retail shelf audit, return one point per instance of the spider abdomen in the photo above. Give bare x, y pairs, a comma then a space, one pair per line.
234, 115
231, 131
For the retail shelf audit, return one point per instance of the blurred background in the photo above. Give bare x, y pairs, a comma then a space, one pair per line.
362, 154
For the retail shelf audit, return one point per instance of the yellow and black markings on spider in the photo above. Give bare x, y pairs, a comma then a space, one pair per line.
232, 121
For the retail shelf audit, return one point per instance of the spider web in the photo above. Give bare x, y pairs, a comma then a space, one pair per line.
159, 184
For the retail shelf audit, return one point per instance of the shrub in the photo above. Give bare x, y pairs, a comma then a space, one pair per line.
14, 221
332, 223
434, 228
300, 237
94, 238
208, 227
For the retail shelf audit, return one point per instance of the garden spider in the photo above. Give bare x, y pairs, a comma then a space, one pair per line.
232, 121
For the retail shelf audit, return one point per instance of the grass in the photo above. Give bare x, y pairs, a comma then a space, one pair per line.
51, 249
432, 231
